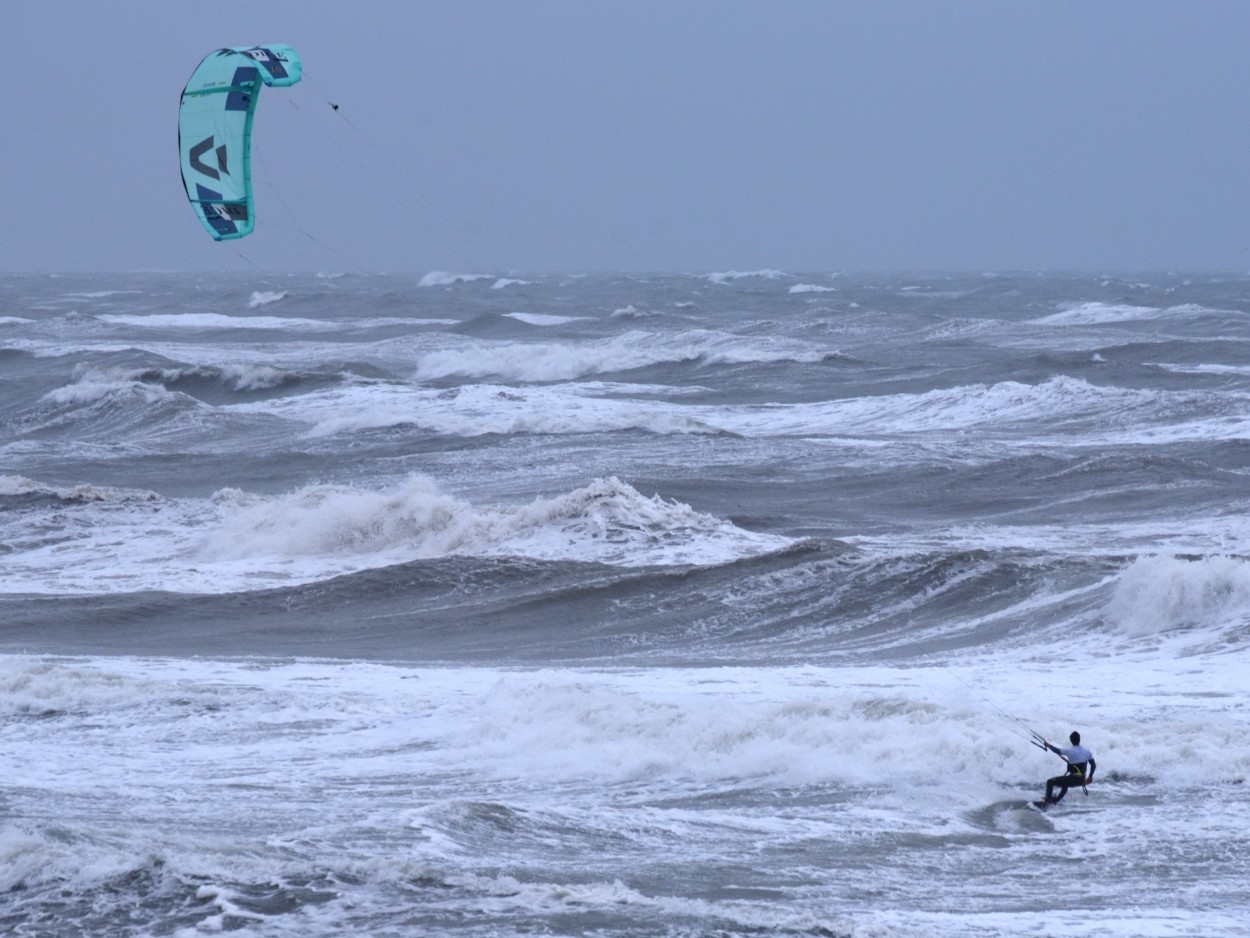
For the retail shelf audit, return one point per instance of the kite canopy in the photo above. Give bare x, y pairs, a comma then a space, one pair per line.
215, 132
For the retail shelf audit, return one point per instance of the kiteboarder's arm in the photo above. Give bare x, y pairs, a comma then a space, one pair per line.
1092, 765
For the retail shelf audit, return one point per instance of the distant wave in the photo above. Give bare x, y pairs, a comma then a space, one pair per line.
101, 294
91, 383
632, 312
219, 321
812, 288
1205, 369
330, 404
442, 278
728, 276
1096, 313
482, 409
14, 485
543, 319
132, 410
1058, 406
1055, 410
1050, 405
265, 297
630, 350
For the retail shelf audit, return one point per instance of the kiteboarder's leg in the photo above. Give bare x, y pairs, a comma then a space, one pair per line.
1060, 782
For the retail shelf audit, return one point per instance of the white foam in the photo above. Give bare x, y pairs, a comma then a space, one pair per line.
543, 319
265, 297
812, 288
100, 294
20, 485
198, 321
92, 384
905, 729
1157, 594
507, 282
702, 763
44, 687
253, 377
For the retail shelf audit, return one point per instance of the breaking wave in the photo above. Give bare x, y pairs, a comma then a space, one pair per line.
606, 522
1156, 594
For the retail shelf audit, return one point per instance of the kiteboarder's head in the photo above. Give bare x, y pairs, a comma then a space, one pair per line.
1075, 738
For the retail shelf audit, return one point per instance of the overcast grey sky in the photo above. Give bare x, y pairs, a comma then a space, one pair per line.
555, 135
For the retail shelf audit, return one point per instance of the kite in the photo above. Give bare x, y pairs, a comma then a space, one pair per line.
215, 132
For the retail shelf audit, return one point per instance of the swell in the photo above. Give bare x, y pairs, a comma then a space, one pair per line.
813, 602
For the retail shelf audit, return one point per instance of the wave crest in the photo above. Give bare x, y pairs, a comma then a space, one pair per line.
607, 521
265, 297
1157, 594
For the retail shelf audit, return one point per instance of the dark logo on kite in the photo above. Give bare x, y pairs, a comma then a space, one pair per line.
227, 212
203, 147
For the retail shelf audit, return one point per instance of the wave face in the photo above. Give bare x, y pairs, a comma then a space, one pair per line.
493, 603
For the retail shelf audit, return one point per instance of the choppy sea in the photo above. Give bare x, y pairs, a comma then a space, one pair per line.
688, 604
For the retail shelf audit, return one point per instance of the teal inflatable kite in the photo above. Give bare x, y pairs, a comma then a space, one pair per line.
215, 132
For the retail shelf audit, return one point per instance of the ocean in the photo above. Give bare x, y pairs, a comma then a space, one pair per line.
618, 605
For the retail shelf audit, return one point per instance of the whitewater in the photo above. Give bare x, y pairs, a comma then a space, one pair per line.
708, 603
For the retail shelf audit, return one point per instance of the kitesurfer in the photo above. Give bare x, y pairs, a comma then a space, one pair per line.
1081, 767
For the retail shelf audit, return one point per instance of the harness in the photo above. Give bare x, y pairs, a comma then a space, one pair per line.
1078, 769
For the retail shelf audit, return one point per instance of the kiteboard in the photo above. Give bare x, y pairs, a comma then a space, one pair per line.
1038, 806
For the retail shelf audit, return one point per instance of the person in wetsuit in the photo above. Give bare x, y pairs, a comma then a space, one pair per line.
1080, 769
